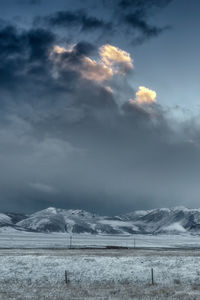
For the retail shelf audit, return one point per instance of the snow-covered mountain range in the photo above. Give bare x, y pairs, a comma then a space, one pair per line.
155, 221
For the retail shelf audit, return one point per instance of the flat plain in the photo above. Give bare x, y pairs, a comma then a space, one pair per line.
98, 273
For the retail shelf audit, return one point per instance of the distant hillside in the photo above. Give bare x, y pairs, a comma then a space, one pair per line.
155, 221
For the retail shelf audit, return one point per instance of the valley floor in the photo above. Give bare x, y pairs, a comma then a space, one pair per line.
99, 274
11, 238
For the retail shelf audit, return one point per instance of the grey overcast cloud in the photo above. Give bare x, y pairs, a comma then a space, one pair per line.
99, 104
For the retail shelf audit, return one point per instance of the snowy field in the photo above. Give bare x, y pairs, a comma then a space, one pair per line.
33, 265
10, 238
99, 274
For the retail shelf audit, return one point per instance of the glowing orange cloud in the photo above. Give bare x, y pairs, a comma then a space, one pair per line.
58, 50
145, 95
94, 70
112, 56
112, 61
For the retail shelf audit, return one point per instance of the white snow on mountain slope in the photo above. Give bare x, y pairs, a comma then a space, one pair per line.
5, 220
173, 228
135, 215
155, 221
8, 230
158, 220
10, 219
119, 224
76, 221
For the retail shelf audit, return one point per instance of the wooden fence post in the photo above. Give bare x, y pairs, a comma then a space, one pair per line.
66, 277
152, 277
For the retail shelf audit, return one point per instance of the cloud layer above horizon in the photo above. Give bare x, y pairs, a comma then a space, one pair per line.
75, 131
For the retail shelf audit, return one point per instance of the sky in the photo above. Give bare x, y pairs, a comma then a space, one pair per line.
99, 104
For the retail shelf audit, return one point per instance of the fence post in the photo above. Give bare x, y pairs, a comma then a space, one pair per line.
66, 278
134, 242
152, 277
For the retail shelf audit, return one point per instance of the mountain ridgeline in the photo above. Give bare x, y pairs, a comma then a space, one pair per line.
176, 220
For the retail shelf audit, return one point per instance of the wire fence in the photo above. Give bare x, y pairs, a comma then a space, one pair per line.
133, 241
66, 240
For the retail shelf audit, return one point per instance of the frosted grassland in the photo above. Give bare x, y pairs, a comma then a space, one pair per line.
11, 238
99, 274
27, 272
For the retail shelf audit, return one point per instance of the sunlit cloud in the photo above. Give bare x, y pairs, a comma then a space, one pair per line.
109, 89
144, 96
59, 50
96, 71
113, 56
112, 61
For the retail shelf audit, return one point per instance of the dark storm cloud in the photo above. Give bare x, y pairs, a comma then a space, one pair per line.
79, 51
23, 56
136, 14
66, 141
27, 67
119, 17
84, 48
39, 42
75, 19
143, 4
133, 15
137, 22
35, 1
31, 2
31, 44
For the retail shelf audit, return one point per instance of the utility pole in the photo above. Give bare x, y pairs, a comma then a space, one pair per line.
70, 241
70, 237
66, 228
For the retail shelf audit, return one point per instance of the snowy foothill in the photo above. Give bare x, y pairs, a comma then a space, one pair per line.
175, 220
